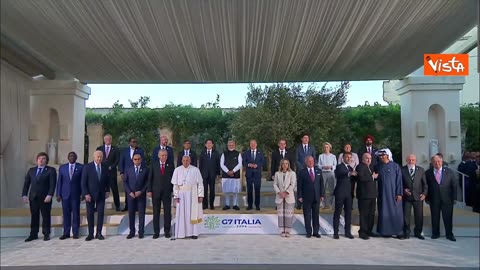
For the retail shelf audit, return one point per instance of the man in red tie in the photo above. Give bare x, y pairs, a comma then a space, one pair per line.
442, 195
159, 188
311, 193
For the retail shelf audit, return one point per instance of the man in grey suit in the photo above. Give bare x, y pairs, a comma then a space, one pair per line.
415, 190
304, 150
442, 195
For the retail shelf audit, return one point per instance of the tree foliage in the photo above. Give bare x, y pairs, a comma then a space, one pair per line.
470, 120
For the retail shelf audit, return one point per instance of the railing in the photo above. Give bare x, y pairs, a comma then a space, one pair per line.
463, 203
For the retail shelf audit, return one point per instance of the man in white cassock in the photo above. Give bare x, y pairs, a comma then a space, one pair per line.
188, 193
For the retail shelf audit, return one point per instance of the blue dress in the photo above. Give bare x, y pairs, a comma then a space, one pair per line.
390, 212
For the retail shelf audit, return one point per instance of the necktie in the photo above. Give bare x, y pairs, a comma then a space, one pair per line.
283, 155
253, 155
136, 171
186, 153
209, 154
370, 150
71, 171
350, 169
412, 174
438, 176
305, 149
312, 176
162, 169
99, 173
39, 171
107, 151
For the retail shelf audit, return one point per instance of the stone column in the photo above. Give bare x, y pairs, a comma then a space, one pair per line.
57, 112
430, 111
95, 139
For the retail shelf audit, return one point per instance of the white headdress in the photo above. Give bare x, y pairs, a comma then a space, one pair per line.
385, 151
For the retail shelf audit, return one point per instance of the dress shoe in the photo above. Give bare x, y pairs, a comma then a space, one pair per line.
168, 235
89, 238
364, 237
451, 238
400, 237
226, 207
349, 236
316, 235
46, 237
130, 236
419, 236
100, 237
75, 236
257, 208
31, 238
372, 234
249, 208
406, 236
335, 236
63, 237
194, 237
117, 209
125, 209
205, 207
309, 236
435, 236
155, 236
212, 208
140, 236
235, 207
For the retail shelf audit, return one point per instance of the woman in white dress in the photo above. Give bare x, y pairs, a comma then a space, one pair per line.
285, 181
327, 162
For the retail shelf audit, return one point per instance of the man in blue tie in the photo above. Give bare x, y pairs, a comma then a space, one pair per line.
253, 160
69, 192
38, 190
135, 183
95, 189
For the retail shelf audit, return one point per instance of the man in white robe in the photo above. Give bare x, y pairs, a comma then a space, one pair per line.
188, 193
231, 163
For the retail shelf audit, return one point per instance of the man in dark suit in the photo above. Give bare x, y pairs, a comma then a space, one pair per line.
304, 150
40, 181
111, 158
69, 192
126, 161
187, 151
278, 155
160, 189
311, 193
209, 165
95, 189
367, 148
366, 195
415, 189
343, 196
442, 195
135, 183
163, 145
253, 160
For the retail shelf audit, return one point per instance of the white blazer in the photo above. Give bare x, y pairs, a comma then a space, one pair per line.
288, 185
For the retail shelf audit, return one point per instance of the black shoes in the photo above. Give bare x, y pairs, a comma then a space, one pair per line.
235, 207
63, 237
89, 238
349, 236
212, 208
140, 236
451, 238
168, 235
435, 236
46, 237
309, 236
400, 237
194, 237
226, 207
316, 235
117, 209
257, 208
372, 234
335, 236
156, 235
100, 237
130, 236
75, 236
419, 236
249, 208
364, 237
125, 209
31, 238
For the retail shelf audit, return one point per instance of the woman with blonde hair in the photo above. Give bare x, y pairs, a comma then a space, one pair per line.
284, 184
327, 162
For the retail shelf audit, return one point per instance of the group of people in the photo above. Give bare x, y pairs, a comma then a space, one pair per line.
300, 178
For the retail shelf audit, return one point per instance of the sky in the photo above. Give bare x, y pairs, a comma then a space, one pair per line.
231, 95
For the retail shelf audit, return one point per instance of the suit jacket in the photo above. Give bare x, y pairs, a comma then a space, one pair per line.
287, 185
259, 160
446, 191
307, 190
418, 186
157, 183
126, 161
343, 188
133, 183
209, 167
42, 185
276, 157
363, 150
113, 157
193, 158
301, 155
170, 157
67, 187
92, 185
366, 185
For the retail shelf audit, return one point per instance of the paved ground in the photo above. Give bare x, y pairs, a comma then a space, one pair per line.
233, 250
